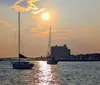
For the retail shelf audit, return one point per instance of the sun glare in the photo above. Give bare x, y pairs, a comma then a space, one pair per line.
45, 16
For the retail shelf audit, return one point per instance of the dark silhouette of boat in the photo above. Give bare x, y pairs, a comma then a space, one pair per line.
50, 60
21, 64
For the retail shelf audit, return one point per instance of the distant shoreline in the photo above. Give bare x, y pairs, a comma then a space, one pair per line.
33, 59
80, 57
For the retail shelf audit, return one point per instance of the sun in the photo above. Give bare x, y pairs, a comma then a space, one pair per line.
45, 16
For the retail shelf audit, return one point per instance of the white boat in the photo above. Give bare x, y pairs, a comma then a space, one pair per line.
21, 64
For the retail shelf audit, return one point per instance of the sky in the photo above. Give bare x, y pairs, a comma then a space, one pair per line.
75, 23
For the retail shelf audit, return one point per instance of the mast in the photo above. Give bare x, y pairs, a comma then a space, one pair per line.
19, 35
49, 43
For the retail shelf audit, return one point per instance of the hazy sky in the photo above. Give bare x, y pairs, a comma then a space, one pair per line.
74, 22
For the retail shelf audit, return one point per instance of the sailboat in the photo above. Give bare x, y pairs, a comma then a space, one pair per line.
50, 59
21, 64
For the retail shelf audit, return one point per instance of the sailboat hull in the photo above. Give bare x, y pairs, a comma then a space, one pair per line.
22, 65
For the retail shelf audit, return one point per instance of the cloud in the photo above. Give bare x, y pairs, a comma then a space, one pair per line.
65, 31
41, 33
91, 29
31, 6
5, 22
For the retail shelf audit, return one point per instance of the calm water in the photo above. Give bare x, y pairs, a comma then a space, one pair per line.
65, 73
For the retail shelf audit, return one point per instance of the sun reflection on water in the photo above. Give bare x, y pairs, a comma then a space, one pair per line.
45, 75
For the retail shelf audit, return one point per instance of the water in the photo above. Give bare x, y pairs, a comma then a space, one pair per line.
64, 73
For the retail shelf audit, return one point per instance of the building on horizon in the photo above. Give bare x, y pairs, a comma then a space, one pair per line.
60, 51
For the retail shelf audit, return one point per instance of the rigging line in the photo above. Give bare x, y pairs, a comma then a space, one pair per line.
18, 35
18, 32
49, 43
14, 35
21, 43
15, 41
